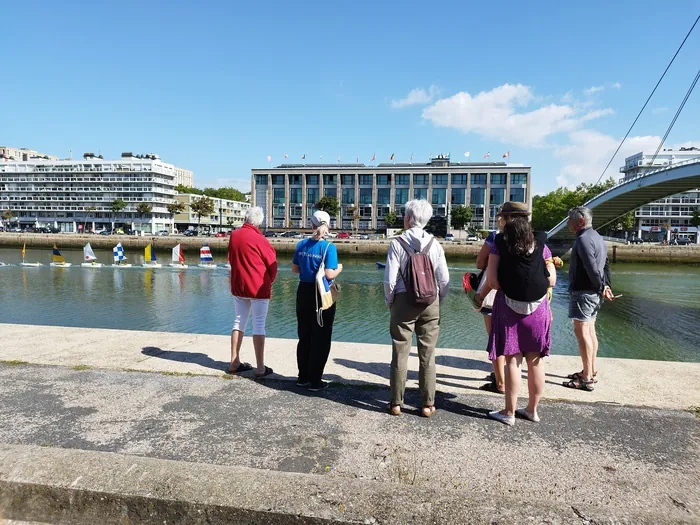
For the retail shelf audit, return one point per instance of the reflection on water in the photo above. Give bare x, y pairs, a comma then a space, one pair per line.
655, 319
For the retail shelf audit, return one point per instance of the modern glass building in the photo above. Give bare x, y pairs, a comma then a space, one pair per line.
77, 194
289, 192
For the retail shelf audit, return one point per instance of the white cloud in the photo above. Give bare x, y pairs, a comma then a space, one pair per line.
593, 89
415, 97
616, 85
598, 113
499, 114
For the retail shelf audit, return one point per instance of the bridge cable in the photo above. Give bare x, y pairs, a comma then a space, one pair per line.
673, 122
648, 99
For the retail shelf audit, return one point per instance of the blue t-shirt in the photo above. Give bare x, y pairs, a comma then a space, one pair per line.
491, 238
308, 258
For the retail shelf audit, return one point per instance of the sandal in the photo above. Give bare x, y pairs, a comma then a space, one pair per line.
243, 367
492, 387
579, 384
491, 377
578, 375
427, 411
267, 372
394, 410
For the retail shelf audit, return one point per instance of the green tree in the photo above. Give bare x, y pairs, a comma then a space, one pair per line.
460, 216
186, 189
202, 207
231, 194
548, 210
116, 206
694, 218
143, 208
8, 214
329, 205
391, 219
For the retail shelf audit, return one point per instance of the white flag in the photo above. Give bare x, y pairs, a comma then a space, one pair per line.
269, 158
286, 156
487, 155
506, 154
466, 154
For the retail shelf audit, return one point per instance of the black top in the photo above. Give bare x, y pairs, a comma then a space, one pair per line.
523, 277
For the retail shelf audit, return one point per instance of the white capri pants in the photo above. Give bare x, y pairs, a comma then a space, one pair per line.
243, 307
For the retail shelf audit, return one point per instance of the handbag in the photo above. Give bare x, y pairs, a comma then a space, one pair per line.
328, 291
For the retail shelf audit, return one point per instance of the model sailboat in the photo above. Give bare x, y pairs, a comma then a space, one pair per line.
205, 258
178, 258
149, 258
119, 257
24, 252
89, 258
57, 260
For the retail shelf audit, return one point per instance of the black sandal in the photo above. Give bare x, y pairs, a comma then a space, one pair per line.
579, 384
492, 387
579, 375
243, 367
267, 372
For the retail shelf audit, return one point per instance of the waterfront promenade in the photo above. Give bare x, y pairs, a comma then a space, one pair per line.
144, 427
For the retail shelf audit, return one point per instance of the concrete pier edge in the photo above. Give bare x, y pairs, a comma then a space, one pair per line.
87, 487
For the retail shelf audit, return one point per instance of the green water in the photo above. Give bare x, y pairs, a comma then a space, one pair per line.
656, 318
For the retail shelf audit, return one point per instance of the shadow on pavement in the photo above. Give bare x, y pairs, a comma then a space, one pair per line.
181, 356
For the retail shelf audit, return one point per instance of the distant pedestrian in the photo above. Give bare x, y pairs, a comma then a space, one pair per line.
314, 326
509, 209
253, 270
589, 284
521, 325
415, 309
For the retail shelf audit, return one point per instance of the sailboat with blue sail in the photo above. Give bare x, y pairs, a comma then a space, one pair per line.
57, 260
149, 258
89, 258
119, 257
205, 258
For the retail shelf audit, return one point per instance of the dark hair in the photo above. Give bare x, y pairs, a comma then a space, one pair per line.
519, 236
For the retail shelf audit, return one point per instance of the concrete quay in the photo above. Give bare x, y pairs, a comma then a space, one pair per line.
109, 426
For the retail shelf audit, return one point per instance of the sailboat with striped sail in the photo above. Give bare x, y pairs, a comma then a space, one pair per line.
149, 258
89, 258
24, 263
178, 258
119, 257
57, 260
205, 258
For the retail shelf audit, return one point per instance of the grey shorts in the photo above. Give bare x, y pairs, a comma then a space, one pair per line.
584, 306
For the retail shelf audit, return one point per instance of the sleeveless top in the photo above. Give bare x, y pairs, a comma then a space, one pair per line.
523, 278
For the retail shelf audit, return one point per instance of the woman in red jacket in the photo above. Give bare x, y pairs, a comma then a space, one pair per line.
253, 270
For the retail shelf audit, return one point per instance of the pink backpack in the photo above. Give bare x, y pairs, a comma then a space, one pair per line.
419, 276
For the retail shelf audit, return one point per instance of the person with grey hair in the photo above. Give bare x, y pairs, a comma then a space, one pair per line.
589, 284
407, 315
253, 270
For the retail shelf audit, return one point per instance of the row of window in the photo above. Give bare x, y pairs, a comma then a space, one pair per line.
439, 179
497, 196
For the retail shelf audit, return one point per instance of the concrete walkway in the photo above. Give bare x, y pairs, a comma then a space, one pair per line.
268, 452
657, 384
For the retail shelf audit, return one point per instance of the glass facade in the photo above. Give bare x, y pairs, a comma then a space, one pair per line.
365, 180
420, 193
478, 178
295, 180
477, 196
420, 180
312, 180
439, 196
295, 195
458, 195
330, 191
347, 180
383, 180
261, 180
278, 196
497, 196
401, 197
402, 180
278, 180
459, 179
348, 196
330, 180
518, 178
383, 195
365, 195
439, 179
517, 194
311, 196
498, 178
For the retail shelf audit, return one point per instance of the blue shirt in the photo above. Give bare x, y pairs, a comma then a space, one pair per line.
308, 255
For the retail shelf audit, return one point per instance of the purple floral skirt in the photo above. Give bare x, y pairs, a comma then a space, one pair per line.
512, 333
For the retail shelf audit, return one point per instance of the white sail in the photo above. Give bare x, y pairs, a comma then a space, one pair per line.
88, 254
176, 254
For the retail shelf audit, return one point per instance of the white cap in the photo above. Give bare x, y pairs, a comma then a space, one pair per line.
320, 217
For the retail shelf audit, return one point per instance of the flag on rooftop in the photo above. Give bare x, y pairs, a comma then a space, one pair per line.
338, 158
487, 155
357, 159
411, 157
303, 157
269, 158
506, 154
374, 157
286, 156
466, 154
392, 157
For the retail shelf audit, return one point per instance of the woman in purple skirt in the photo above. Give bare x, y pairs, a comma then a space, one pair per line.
521, 323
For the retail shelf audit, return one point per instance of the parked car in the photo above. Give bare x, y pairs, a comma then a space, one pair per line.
292, 235
190, 233
270, 234
449, 237
472, 238
343, 235
364, 236
332, 235
222, 234
106, 232
682, 241
636, 240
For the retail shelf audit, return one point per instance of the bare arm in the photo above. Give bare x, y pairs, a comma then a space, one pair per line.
332, 274
552, 273
492, 272
295, 268
483, 258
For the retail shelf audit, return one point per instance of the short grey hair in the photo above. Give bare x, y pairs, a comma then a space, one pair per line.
254, 216
419, 212
581, 212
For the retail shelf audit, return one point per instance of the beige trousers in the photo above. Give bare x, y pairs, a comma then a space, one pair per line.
425, 321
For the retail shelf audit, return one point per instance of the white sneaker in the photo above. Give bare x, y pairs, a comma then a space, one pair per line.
506, 420
525, 414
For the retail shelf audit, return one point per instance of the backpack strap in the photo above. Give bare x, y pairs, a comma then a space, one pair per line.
407, 247
426, 250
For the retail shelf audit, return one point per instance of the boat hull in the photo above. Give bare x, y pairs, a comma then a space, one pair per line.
32, 265
122, 265
179, 266
151, 265
61, 265
92, 265
207, 266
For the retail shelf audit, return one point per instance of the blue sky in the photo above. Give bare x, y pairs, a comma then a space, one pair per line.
218, 86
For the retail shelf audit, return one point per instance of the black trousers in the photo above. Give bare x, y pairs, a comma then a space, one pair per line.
314, 341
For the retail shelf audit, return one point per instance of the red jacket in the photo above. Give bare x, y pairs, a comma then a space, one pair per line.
253, 263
